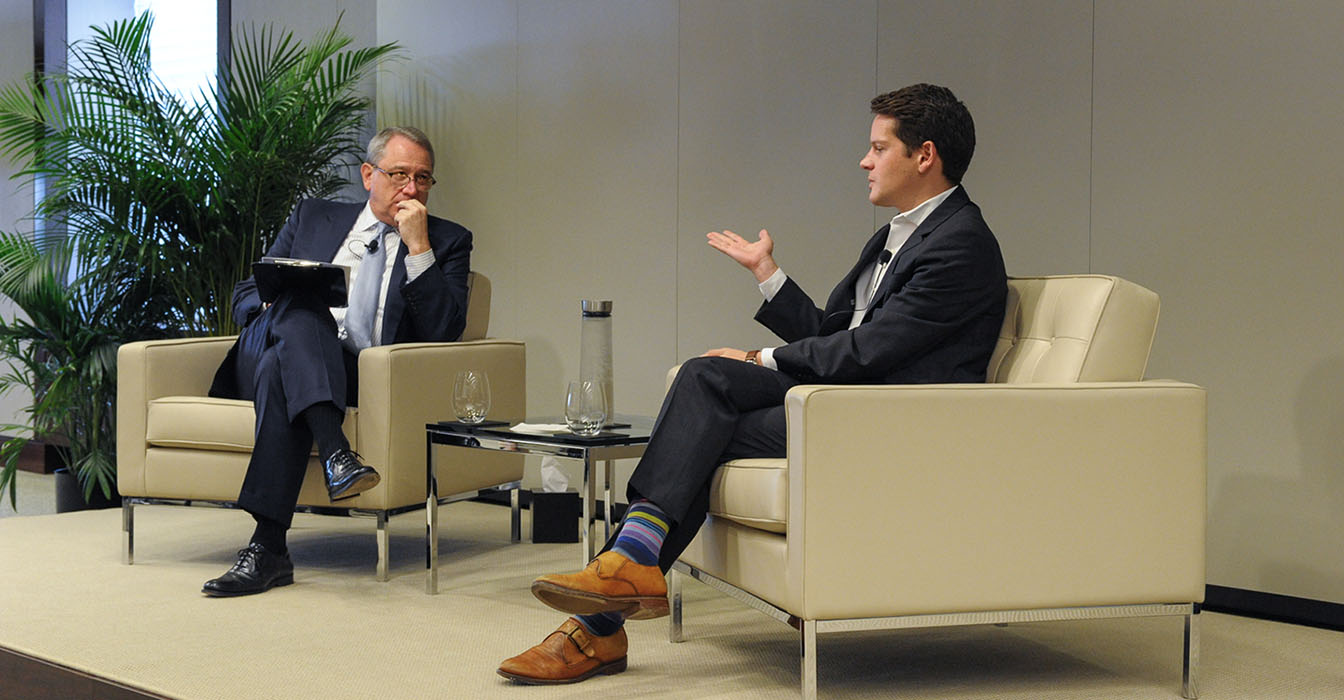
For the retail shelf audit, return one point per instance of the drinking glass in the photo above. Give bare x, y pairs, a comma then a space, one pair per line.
585, 408
471, 395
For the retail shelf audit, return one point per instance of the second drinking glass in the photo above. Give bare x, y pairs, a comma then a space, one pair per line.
585, 408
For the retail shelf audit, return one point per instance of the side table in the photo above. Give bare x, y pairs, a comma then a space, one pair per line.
627, 439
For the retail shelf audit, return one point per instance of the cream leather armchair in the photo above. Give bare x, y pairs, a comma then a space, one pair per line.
177, 446
1066, 488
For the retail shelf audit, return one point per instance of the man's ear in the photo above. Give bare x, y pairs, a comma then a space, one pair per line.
366, 174
927, 156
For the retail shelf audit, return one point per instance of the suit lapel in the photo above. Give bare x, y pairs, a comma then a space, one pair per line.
841, 301
392, 309
336, 228
954, 202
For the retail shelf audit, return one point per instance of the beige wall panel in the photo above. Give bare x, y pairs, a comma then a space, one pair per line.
16, 197
1024, 71
1216, 178
16, 63
774, 120
596, 193
458, 83
306, 19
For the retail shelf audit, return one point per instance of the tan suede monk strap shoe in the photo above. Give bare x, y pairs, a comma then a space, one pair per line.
610, 583
569, 655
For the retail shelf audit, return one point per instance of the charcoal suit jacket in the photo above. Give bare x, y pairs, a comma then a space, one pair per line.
935, 316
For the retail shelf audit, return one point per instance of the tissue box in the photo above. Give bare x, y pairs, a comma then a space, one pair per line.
555, 516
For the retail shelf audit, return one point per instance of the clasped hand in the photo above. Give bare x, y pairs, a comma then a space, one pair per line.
730, 353
413, 225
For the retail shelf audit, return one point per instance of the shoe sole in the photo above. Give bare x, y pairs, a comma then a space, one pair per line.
281, 581
356, 487
585, 603
608, 669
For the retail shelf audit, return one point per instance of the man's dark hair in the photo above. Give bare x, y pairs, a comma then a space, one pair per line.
927, 112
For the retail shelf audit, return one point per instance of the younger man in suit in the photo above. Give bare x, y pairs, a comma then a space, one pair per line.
297, 359
923, 304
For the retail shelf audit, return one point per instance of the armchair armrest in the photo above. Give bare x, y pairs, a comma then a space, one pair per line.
966, 497
406, 385
147, 370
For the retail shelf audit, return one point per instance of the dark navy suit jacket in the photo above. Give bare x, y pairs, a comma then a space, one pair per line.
432, 307
935, 316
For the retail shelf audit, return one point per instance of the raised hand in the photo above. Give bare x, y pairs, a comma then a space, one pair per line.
757, 257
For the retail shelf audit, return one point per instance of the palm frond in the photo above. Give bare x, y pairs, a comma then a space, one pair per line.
165, 202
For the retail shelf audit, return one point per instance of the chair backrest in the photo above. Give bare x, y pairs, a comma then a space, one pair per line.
478, 306
1074, 328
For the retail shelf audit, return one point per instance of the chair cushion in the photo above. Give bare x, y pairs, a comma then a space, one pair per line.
752, 492
203, 423
1074, 328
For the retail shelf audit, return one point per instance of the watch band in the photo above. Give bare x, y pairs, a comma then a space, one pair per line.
753, 357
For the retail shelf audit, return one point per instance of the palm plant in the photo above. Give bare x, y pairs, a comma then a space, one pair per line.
163, 203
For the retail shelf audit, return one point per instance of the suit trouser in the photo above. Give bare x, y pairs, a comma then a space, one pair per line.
289, 358
716, 410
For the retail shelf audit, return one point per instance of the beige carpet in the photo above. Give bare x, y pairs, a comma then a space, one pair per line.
338, 633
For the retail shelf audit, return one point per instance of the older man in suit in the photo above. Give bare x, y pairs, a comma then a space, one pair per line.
297, 358
923, 304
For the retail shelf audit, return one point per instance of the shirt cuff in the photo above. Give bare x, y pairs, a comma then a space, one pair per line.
417, 264
767, 358
772, 284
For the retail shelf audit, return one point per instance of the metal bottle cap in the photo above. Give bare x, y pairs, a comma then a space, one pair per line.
595, 307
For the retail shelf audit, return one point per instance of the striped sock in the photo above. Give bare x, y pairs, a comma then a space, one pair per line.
601, 624
642, 533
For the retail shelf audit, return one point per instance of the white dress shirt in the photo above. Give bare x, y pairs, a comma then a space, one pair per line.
352, 250
902, 226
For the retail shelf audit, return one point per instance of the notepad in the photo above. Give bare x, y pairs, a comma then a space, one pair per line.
275, 276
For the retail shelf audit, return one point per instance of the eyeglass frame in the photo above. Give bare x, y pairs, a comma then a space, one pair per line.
393, 175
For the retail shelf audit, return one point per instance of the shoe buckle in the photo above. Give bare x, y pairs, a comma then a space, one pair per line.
580, 637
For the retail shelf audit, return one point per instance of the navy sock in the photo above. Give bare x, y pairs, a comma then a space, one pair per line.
324, 420
270, 534
602, 624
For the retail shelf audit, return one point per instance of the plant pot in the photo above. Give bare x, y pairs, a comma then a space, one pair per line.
70, 495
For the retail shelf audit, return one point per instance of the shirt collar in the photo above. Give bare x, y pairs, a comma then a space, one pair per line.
913, 218
366, 221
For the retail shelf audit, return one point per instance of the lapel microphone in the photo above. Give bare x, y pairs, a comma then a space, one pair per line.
882, 261
372, 246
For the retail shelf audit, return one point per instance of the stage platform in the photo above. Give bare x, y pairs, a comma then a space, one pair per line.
71, 613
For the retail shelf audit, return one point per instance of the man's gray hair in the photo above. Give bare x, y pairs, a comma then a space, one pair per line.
379, 142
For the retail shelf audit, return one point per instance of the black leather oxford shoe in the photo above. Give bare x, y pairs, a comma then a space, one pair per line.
346, 476
258, 570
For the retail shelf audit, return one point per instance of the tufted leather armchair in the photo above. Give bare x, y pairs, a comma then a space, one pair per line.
175, 445
1067, 487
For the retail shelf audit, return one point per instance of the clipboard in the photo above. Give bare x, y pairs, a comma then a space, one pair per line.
275, 276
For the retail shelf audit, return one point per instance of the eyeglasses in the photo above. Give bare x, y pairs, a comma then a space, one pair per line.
399, 178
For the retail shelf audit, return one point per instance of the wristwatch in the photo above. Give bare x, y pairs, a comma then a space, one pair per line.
753, 357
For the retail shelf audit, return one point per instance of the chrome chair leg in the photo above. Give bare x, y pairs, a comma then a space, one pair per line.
383, 546
1190, 665
809, 659
127, 531
674, 631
